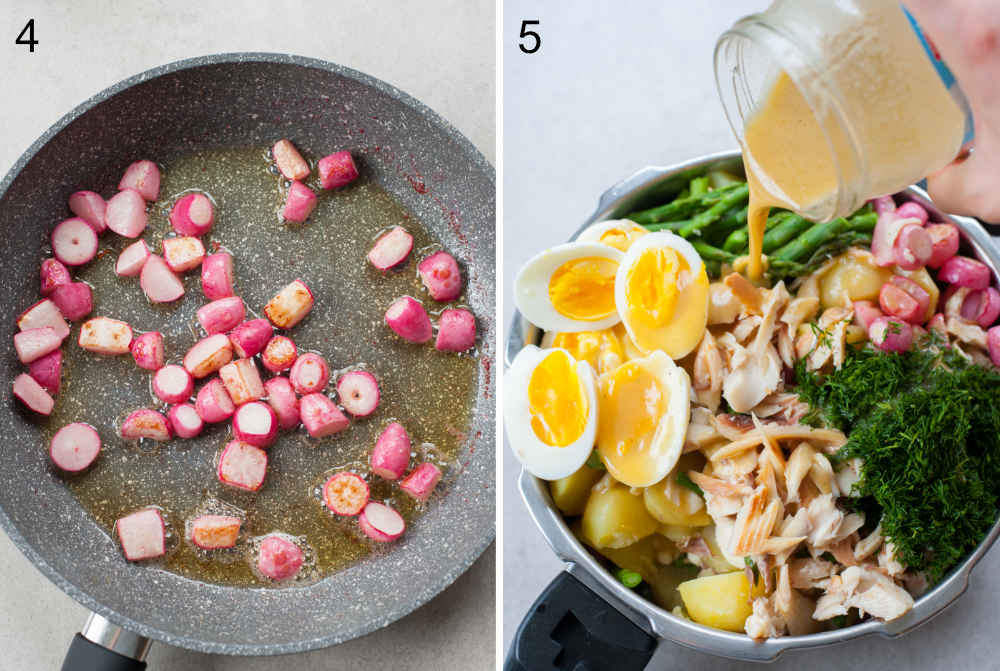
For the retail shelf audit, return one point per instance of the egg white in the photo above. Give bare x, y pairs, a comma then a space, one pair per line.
594, 232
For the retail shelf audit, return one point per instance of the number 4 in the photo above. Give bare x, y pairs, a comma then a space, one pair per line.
29, 29
533, 35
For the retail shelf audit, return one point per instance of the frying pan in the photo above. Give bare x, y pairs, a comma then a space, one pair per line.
224, 101
585, 613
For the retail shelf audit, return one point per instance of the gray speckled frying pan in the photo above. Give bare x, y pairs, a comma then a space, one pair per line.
219, 101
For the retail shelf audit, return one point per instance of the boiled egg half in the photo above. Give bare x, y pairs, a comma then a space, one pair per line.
617, 233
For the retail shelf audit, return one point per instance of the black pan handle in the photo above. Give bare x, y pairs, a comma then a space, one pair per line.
570, 628
104, 646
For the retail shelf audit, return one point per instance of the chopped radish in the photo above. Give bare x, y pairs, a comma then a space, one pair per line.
242, 381
242, 465
249, 338
132, 259
255, 423
75, 447
53, 274
74, 242
159, 282
309, 374
945, 240
891, 334
185, 420
213, 403
300, 203
282, 399
146, 423
208, 355
883, 204
213, 532
193, 214
144, 177
321, 416
884, 237
993, 343
290, 305
391, 454
217, 276
346, 494
27, 390
32, 344
222, 315
441, 276
965, 272
865, 312
381, 523
913, 247
74, 300
915, 292
105, 336
391, 249
912, 210
289, 160
142, 534
173, 384
456, 331
47, 371
126, 213
337, 169
408, 319
44, 313
279, 354
358, 392
981, 306
897, 303
147, 350
183, 253
90, 207
421, 482
279, 558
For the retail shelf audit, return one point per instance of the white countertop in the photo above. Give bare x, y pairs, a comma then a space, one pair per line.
440, 51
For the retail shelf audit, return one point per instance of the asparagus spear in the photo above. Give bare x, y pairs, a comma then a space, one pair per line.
803, 246
784, 232
680, 208
708, 217
698, 186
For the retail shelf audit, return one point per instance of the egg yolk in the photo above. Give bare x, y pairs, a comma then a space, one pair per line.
632, 401
584, 289
557, 401
620, 239
601, 349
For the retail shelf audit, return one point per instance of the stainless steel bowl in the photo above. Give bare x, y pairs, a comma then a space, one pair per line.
643, 189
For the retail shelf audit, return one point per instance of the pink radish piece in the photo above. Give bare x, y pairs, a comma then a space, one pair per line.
44, 313
408, 319
147, 350
32, 344
144, 177
391, 249
208, 355
53, 274
282, 399
74, 300
126, 213
441, 276
183, 253
173, 384
75, 447
74, 242
421, 482
146, 423
913, 247
914, 291
222, 315
883, 204
213, 403
891, 334
300, 203
945, 240
965, 272
897, 303
142, 534
90, 207
105, 336
337, 169
242, 466
321, 416
309, 374
993, 343
132, 259
912, 210
255, 423
279, 558
47, 371
250, 338
982, 307
290, 305
32, 395
213, 532
346, 494
865, 312
242, 381
358, 392
159, 283
391, 454
279, 354
456, 331
289, 160
217, 276
193, 214
887, 229
185, 420
381, 523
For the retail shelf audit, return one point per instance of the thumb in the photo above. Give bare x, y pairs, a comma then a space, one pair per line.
963, 187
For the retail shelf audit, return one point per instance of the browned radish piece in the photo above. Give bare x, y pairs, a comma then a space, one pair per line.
279, 558
242, 381
193, 214
214, 532
75, 447
144, 177
32, 395
173, 384
185, 421
421, 482
44, 313
53, 274
105, 336
183, 253
321, 416
309, 374
358, 392
391, 249
289, 160
74, 300
221, 315
132, 259
126, 213
391, 454
249, 338
255, 423
913, 247
146, 423
74, 242
32, 344
47, 371
299, 203
242, 466
346, 494
213, 403
217, 276
945, 240
290, 306
159, 283
337, 170
147, 350
282, 399
456, 331
381, 523
208, 355
441, 276
279, 354
90, 207
142, 534
408, 319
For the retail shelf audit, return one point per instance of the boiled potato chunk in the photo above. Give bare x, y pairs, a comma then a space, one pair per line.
570, 493
855, 274
615, 518
721, 601
674, 504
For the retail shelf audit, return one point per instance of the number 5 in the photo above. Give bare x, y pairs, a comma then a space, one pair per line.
532, 34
